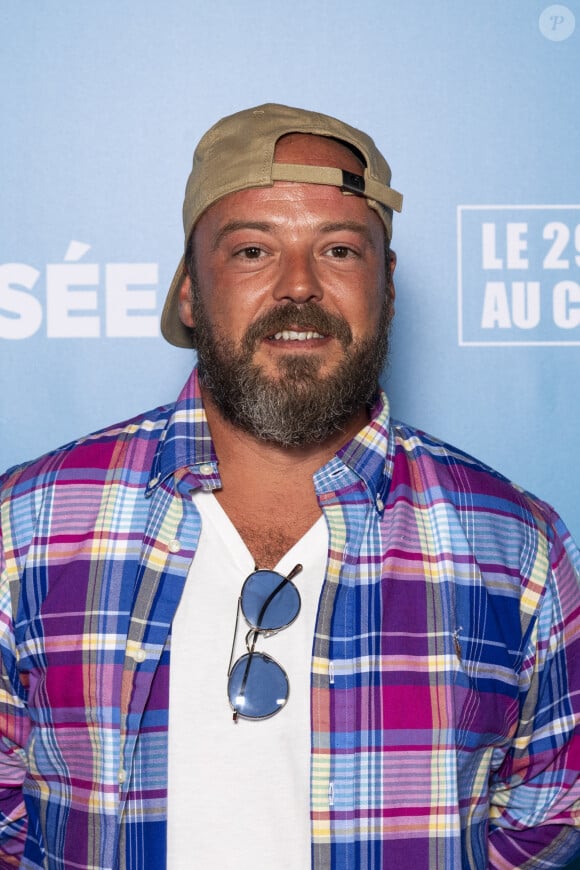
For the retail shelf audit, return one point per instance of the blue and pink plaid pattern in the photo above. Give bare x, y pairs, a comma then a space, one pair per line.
445, 671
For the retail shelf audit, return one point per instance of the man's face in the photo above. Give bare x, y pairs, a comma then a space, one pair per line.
292, 301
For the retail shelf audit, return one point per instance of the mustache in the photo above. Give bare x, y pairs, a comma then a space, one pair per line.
307, 316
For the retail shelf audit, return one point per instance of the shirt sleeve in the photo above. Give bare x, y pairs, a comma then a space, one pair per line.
14, 728
535, 798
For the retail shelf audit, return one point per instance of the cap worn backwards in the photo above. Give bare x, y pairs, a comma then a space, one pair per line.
238, 153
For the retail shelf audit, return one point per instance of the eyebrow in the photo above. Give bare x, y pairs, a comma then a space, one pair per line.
233, 226
265, 227
352, 226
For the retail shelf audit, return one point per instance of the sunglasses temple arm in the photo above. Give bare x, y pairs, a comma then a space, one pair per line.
250, 651
295, 570
242, 692
235, 635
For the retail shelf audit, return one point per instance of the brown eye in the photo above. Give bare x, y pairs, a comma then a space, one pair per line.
251, 253
340, 252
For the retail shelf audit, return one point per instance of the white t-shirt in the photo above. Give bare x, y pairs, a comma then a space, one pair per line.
239, 794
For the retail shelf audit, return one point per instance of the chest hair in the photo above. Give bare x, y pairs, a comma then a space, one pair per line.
269, 532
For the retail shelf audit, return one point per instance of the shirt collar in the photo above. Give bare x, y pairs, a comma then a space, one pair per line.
186, 441
369, 456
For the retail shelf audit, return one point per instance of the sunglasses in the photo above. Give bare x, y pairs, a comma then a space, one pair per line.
257, 685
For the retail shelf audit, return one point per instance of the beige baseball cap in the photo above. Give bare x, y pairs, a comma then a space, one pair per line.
238, 153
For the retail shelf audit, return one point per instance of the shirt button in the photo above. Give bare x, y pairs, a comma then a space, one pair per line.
174, 546
140, 655
122, 776
380, 503
206, 468
154, 481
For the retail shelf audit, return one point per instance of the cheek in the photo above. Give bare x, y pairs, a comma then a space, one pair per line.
230, 315
362, 300
365, 316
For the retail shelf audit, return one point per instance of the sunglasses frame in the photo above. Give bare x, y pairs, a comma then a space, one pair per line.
252, 637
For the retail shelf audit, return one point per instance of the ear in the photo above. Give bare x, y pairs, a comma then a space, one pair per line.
184, 295
391, 266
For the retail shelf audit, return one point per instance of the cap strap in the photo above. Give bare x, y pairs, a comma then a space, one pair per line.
347, 181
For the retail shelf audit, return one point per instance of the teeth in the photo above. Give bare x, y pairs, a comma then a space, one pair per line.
292, 335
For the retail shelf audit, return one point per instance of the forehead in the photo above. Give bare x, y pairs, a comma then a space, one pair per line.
304, 148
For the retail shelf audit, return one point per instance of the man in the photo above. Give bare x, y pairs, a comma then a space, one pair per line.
404, 674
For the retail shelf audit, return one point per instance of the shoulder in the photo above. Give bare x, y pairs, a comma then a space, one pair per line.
464, 512
440, 472
128, 446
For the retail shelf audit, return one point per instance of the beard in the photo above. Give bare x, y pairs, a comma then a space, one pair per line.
300, 406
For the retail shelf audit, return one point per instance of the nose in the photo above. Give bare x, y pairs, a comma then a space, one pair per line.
298, 281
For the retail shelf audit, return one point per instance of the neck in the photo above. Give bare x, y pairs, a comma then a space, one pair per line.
267, 489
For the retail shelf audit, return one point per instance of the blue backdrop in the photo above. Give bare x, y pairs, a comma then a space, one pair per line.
476, 107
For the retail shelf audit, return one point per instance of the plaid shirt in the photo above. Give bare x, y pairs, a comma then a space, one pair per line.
445, 670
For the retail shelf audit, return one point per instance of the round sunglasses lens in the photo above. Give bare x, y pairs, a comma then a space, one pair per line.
257, 686
269, 601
